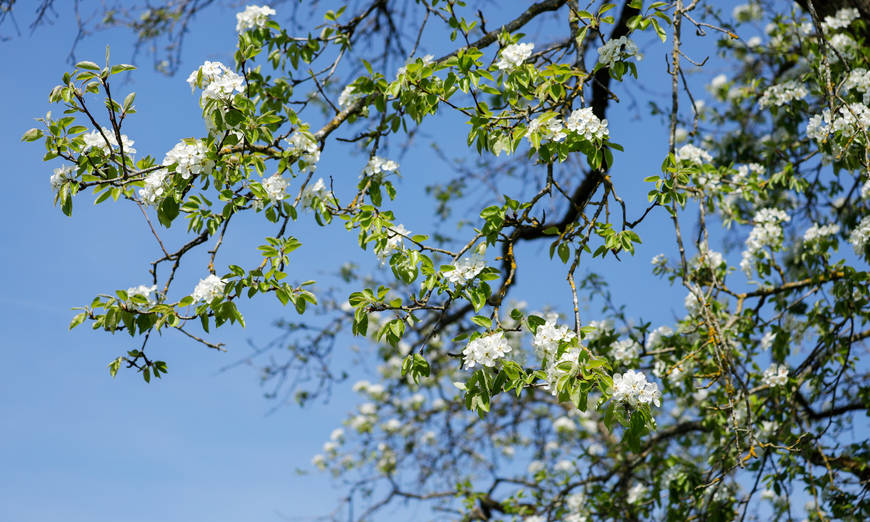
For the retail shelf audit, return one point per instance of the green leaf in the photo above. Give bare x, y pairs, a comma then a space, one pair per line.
32, 135
77, 320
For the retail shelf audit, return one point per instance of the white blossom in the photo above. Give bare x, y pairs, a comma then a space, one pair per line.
378, 165
395, 241
816, 231
305, 147
775, 375
859, 80
633, 389
636, 493
693, 154
551, 128
208, 289
208, 72
844, 44
585, 123
148, 292
465, 269
513, 55
94, 139
767, 232
841, 19
223, 87
564, 466
564, 425
392, 426
865, 190
61, 175
860, 235
535, 466
625, 350
151, 193
548, 336
654, 338
486, 350
319, 461
189, 159
314, 192
718, 82
746, 12
337, 435
252, 17
616, 50
275, 187
767, 340
781, 94
348, 97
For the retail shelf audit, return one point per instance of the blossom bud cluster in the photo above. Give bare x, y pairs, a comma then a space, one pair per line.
767, 232
348, 97
779, 95
632, 389
465, 269
253, 17
617, 50
209, 288
486, 350
513, 55
218, 82
189, 159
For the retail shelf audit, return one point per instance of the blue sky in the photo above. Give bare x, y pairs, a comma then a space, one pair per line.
79, 445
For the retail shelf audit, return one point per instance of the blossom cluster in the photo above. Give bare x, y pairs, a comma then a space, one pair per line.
587, 124
305, 147
217, 81
816, 231
465, 269
148, 292
859, 80
548, 127
766, 232
348, 97
775, 375
692, 154
781, 94
154, 188
378, 165
275, 187
617, 50
209, 288
486, 350
252, 17
633, 389
189, 158
841, 19
315, 192
860, 236
395, 241
548, 336
107, 141
61, 175
850, 119
513, 55
625, 350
